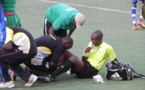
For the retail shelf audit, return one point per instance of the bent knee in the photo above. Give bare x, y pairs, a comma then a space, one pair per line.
73, 58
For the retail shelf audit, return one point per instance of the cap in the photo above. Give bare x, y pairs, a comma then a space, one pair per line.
79, 19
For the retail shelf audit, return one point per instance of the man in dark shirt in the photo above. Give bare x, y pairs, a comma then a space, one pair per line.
19, 46
49, 50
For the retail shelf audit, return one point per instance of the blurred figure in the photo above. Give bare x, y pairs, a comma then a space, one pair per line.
61, 17
19, 47
133, 13
12, 18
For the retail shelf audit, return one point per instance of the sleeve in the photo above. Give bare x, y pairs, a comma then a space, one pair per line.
111, 54
9, 34
57, 24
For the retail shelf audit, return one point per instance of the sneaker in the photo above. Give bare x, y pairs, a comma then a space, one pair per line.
9, 84
141, 24
44, 78
134, 28
31, 80
68, 72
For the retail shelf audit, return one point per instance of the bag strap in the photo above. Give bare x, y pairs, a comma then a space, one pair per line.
137, 74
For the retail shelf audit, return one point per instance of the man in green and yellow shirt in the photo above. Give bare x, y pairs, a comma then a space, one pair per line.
95, 56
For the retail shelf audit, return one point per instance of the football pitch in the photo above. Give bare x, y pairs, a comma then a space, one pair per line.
113, 18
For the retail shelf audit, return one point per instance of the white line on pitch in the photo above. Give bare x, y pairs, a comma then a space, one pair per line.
79, 5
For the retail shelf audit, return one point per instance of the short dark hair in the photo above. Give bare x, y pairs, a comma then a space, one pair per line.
100, 33
68, 38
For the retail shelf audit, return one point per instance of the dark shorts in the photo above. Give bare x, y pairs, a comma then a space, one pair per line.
87, 72
61, 32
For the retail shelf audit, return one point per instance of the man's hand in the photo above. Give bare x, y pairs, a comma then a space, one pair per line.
84, 59
61, 60
87, 49
8, 46
70, 32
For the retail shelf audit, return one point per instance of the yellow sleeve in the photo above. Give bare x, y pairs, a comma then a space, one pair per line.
111, 54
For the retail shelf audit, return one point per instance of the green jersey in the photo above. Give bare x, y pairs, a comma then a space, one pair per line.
9, 5
61, 16
98, 55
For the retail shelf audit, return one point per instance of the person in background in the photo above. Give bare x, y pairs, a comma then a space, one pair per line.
12, 18
133, 15
61, 17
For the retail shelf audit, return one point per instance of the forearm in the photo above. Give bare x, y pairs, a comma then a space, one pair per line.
70, 32
51, 31
8, 46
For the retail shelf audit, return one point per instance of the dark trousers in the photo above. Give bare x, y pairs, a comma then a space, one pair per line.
13, 61
61, 32
40, 70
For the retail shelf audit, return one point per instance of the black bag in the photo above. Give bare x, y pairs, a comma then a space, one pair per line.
122, 72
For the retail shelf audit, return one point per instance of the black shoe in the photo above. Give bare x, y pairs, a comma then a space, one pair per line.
52, 79
44, 78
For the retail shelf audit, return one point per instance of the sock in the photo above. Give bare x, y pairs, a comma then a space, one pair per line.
61, 69
133, 14
141, 18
